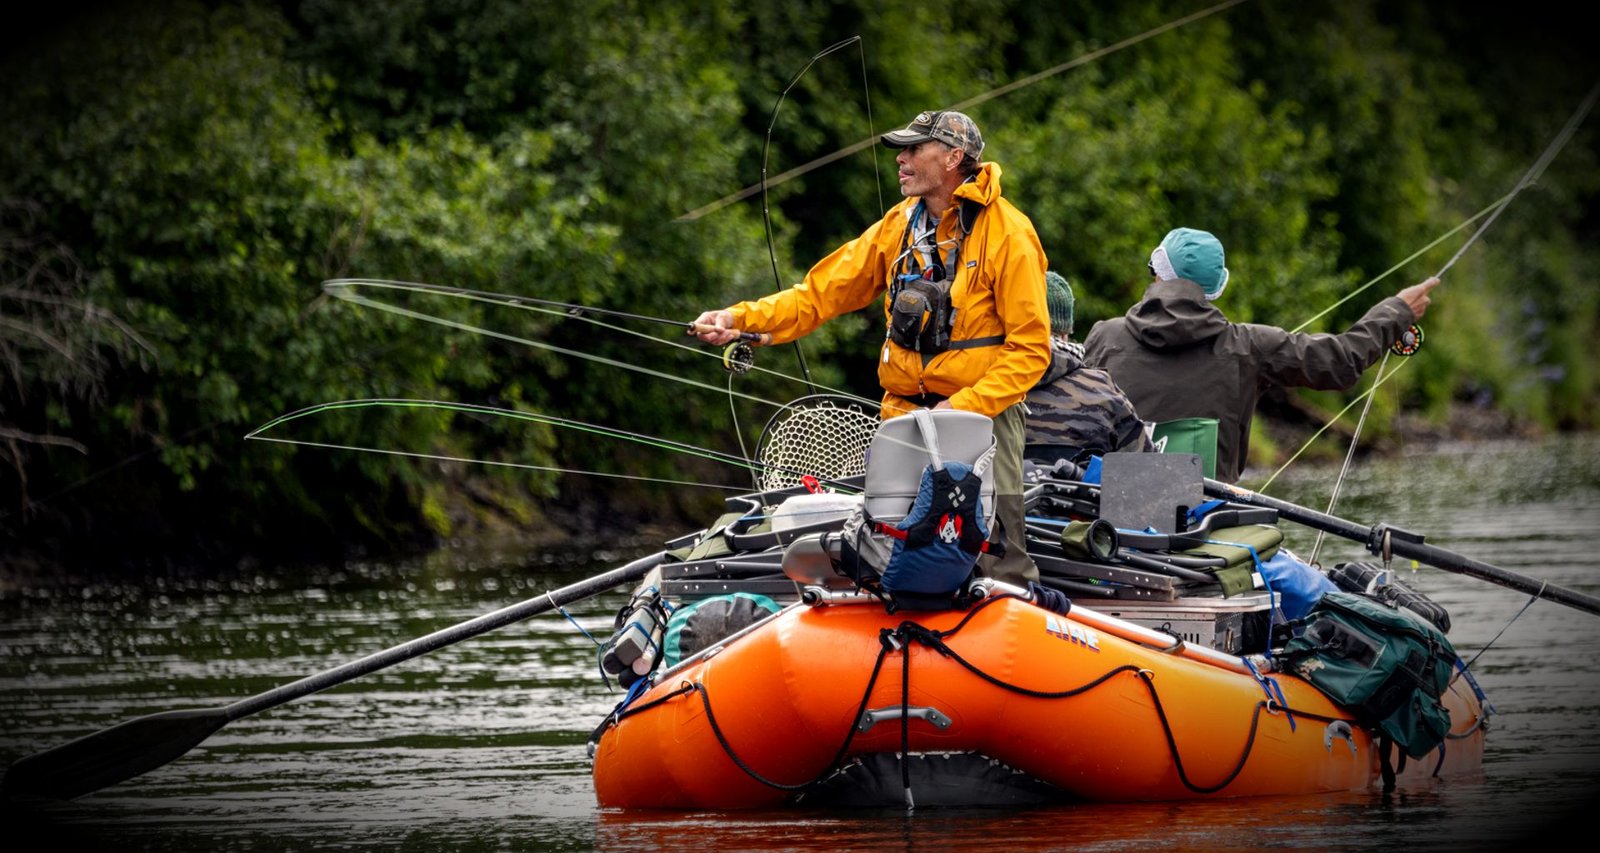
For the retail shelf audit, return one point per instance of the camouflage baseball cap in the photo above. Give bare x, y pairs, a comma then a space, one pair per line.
948, 126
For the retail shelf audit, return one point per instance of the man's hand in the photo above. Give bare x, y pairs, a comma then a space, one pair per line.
1416, 296
715, 327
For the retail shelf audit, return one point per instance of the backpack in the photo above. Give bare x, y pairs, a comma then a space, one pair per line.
1388, 667
919, 549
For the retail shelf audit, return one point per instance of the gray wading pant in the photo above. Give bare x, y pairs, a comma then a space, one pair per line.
1016, 566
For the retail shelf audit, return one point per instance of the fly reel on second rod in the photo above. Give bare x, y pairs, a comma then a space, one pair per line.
1410, 341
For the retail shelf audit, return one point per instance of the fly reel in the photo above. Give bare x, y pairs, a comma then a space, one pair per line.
1410, 341
738, 357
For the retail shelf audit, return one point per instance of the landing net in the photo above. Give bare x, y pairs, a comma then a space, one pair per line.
824, 436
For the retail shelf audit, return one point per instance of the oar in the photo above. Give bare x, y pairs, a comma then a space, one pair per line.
1379, 537
142, 744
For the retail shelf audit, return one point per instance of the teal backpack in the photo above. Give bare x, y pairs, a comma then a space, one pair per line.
1386, 666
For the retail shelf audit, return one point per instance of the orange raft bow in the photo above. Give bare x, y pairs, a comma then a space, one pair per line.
1099, 708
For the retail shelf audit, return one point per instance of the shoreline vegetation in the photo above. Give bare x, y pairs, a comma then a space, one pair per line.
180, 182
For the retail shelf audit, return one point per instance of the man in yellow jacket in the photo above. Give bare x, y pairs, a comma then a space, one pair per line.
965, 309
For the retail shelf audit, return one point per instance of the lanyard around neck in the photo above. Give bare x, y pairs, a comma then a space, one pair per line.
920, 249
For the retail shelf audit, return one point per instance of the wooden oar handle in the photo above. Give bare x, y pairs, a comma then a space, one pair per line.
759, 339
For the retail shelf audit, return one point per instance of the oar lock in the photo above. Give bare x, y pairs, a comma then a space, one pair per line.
1381, 537
1410, 341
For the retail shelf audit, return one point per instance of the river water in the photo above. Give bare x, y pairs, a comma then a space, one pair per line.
480, 745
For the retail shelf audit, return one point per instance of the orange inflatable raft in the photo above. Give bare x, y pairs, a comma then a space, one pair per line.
1086, 705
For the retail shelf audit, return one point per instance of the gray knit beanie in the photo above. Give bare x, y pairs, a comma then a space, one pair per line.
1058, 299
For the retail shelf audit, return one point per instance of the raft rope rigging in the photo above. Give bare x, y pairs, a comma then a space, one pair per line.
900, 639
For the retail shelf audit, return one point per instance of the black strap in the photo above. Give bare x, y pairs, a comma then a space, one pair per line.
926, 401
1386, 767
966, 218
970, 343
970, 208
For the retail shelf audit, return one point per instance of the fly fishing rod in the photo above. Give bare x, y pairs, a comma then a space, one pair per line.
737, 357
1385, 541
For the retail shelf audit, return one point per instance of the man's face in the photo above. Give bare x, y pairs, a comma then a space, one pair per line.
925, 167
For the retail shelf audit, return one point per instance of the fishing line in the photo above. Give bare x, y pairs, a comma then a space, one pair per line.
1350, 454
1503, 628
568, 309
521, 465
339, 289
1408, 259
766, 146
1498, 204
733, 413
1538, 167
343, 289
1535, 170
1495, 207
766, 211
963, 105
516, 414
1331, 421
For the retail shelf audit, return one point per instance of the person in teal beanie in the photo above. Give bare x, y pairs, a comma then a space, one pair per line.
1177, 356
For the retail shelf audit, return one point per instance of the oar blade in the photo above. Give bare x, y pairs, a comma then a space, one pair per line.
109, 756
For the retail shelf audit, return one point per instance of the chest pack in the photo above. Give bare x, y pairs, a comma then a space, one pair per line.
917, 541
921, 313
1385, 665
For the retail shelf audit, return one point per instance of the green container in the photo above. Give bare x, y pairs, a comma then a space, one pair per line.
1190, 435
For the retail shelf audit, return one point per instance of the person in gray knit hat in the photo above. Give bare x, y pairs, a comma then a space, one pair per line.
1179, 358
1076, 412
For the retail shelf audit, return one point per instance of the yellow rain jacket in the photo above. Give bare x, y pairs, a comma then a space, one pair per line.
998, 291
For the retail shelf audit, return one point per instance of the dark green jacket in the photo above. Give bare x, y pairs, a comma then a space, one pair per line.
1176, 356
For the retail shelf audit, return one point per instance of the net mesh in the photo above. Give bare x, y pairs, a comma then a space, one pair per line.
826, 437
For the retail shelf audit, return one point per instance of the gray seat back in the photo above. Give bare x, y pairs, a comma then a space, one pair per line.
901, 450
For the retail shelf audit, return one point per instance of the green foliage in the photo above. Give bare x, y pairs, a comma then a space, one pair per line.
193, 174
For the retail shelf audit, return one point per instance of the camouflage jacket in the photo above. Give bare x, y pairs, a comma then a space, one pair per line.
1082, 409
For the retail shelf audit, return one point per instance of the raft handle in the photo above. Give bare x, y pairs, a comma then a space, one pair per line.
875, 716
1339, 729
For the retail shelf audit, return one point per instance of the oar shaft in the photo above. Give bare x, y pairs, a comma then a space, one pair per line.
444, 637
1371, 536
140, 745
